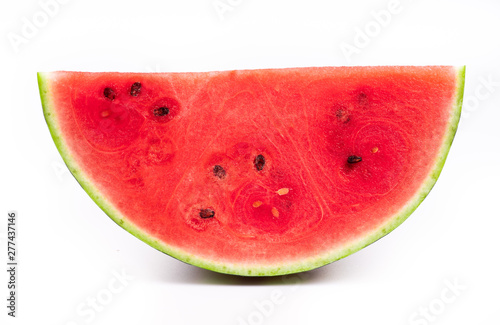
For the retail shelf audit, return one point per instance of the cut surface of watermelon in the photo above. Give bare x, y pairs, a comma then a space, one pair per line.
256, 172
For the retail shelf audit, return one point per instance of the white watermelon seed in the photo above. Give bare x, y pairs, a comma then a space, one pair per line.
257, 204
283, 191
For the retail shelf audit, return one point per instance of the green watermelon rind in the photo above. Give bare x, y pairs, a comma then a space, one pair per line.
251, 269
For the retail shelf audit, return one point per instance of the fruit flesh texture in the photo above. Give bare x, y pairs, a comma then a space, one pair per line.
158, 172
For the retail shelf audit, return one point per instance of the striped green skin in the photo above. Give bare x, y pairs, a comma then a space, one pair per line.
253, 269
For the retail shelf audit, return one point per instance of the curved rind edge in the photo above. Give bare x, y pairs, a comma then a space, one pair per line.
251, 269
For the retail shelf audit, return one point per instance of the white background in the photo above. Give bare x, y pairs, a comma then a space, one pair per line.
70, 251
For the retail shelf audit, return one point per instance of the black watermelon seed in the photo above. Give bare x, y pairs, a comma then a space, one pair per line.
353, 159
109, 93
135, 89
219, 172
162, 111
207, 213
259, 162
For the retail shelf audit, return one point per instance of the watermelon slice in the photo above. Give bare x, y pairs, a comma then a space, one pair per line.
256, 172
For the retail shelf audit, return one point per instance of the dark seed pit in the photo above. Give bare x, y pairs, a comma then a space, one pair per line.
207, 213
354, 159
161, 111
109, 93
219, 172
259, 162
135, 89
342, 115
363, 99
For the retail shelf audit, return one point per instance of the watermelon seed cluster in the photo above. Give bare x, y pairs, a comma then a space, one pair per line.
135, 90
219, 172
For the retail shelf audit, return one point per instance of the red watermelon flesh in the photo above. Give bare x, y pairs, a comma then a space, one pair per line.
256, 172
